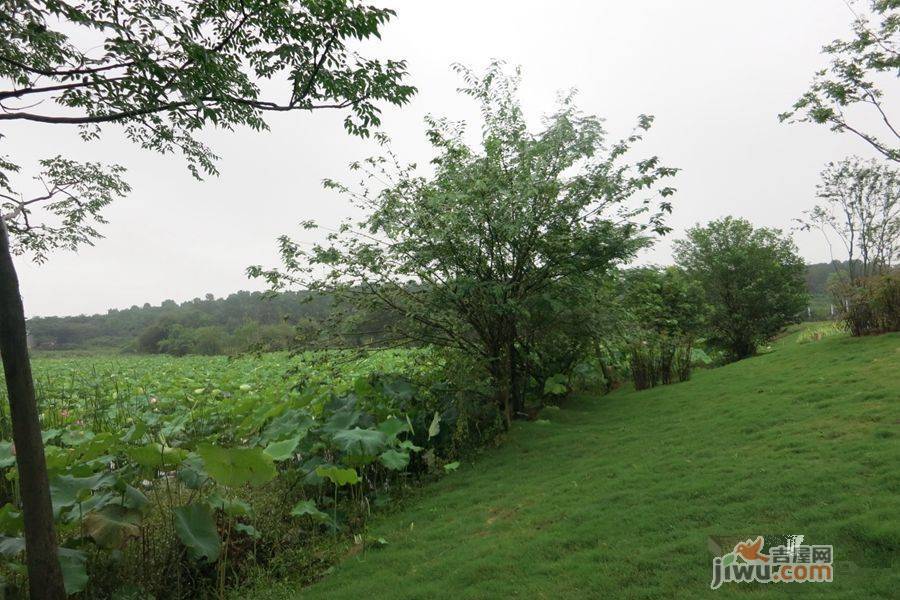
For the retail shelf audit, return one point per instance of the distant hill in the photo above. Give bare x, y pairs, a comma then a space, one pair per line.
241, 321
206, 325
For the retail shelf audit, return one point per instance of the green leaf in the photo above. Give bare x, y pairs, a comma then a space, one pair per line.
284, 450
308, 507
134, 498
233, 507
392, 427
11, 546
66, 490
408, 445
360, 442
292, 422
112, 525
237, 466
192, 473
50, 434
394, 460
196, 528
249, 530
157, 456
435, 427
556, 385
338, 476
76, 437
11, 520
74, 570
7, 458
340, 421
135, 432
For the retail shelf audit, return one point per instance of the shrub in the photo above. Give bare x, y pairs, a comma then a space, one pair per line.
660, 360
871, 304
752, 278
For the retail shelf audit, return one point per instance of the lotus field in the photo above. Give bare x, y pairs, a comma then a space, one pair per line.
180, 475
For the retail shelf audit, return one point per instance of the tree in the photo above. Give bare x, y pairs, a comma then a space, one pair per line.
664, 313
851, 81
861, 206
497, 241
162, 71
752, 279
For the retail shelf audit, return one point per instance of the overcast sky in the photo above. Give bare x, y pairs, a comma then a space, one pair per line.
715, 73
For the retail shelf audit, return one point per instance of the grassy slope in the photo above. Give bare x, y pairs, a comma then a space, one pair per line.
616, 497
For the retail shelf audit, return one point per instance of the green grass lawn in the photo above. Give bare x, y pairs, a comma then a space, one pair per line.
617, 496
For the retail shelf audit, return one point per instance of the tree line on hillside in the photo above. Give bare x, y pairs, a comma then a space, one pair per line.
256, 321
208, 325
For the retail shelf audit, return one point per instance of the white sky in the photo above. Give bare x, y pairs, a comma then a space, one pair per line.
715, 73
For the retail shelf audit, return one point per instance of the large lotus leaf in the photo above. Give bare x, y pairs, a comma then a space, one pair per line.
49, 435
157, 456
338, 476
362, 388
308, 507
76, 437
196, 529
237, 466
7, 458
100, 446
95, 501
74, 570
57, 458
293, 422
341, 421
131, 496
135, 432
191, 472
175, 425
394, 460
11, 520
309, 468
66, 490
112, 525
11, 546
360, 442
249, 530
283, 450
398, 389
392, 427
233, 507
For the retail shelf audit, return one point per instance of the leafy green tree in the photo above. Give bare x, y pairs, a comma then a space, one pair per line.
162, 71
664, 311
478, 254
860, 206
753, 279
665, 301
851, 81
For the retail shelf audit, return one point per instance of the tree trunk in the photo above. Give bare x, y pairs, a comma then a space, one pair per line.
44, 575
517, 392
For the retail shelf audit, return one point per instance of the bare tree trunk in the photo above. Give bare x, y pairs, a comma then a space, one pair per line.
516, 383
44, 574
